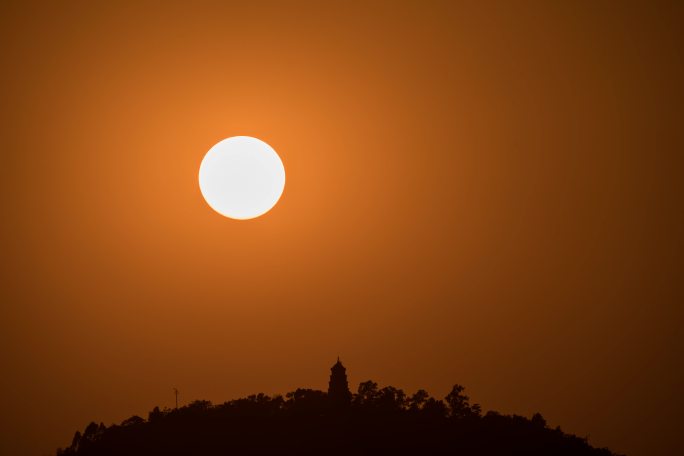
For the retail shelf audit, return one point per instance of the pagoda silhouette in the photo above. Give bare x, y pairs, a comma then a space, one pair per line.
338, 387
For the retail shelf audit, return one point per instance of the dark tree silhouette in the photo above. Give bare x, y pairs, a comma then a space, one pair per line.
391, 399
538, 420
418, 399
434, 408
459, 404
367, 394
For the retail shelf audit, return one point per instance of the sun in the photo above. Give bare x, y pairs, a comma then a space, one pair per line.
241, 177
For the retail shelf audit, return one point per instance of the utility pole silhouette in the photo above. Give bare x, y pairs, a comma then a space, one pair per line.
175, 390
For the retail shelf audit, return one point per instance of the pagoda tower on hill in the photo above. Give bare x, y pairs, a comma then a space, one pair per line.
338, 387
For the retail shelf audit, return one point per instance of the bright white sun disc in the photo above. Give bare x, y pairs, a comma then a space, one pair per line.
241, 177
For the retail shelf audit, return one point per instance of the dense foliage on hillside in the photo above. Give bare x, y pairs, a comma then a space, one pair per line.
375, 421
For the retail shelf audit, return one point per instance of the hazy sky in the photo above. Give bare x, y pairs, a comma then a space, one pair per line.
482, 193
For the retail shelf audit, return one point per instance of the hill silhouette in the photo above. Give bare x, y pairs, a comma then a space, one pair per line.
374, 421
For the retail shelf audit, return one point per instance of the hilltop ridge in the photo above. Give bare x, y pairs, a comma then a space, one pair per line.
374, 420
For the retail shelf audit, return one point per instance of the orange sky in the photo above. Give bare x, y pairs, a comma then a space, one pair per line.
488, 194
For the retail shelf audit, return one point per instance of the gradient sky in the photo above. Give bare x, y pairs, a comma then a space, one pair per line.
482, 193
